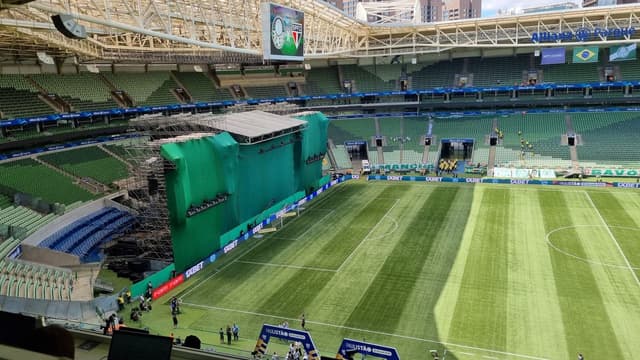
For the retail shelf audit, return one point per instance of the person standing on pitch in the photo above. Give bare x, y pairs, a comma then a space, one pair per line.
580, 357
221, 332
236, 332
304, 322
228, 335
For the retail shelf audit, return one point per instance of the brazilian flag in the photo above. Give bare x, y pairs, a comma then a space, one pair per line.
585, 54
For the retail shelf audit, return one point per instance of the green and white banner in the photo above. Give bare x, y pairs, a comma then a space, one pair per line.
524, 173
612, 172
585, 54
622, 52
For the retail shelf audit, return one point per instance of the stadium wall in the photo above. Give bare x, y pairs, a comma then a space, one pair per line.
220, 188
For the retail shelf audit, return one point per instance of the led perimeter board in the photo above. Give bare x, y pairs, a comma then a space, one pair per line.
282, 33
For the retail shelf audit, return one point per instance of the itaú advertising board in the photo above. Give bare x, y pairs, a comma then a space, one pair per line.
282, 33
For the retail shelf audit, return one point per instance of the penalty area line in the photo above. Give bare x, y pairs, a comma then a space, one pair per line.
468, 347
368, 234
314, 224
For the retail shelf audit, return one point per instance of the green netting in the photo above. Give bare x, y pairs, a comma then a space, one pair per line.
308, 165
259, 179
204, 168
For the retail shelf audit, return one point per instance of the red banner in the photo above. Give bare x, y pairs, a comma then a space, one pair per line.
168, 286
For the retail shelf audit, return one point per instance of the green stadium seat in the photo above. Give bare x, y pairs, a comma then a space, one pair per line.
84, 92
146, 89
26, 175
90, 162
322, 81
201, 87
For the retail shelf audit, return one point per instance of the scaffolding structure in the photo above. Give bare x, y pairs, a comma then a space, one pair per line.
146, 188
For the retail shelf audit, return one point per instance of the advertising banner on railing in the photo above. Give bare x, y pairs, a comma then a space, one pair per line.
350, 347
612, 172
524, 173
401, 167
68, 145
500, 181
288, 335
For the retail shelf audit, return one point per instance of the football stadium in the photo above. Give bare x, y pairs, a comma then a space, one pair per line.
284, 180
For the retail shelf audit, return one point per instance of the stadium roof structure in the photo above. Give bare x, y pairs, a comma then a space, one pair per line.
249, 127
230, 31
257, 126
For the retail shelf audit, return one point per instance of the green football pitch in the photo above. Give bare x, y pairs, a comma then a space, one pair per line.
479, 271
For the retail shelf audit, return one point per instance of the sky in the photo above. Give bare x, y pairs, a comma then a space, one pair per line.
490, 7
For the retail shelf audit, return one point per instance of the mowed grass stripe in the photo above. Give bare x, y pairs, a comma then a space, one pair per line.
284, 297
381, 307
480, 316
277, 250
616, 212
586, 323
619, 289
533, 308
338, 299
419, 316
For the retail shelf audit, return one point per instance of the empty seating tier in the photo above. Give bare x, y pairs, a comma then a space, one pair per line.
89, 162
19, 98
84, 92
608, 138
84, 236
35, 281
201, 87
266, 92
146, 89
322, 81
27, 176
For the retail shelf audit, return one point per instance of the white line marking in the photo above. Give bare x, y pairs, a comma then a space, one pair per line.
368, 234
220, 270
614, 239
312, 226
590, 262
369, 331
274, 237
380, 236
489, 357
466, 353
286, 266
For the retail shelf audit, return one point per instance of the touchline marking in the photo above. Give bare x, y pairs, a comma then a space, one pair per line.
368, 234
286, 266
606, 226
316, 223
466, 353
220, 270
369, 331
